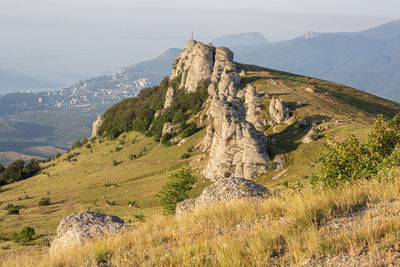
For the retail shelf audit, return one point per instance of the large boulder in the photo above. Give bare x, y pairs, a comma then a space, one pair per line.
76, 228
96, 125
278, 110
224, 190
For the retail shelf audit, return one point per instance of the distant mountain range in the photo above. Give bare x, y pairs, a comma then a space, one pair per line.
368, 60
11, 81
241, 40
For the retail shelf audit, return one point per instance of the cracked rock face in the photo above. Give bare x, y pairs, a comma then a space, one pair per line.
169, 97
224, 190
253, 106
278, 110
194, 64
236, 147
96, 125
79, 227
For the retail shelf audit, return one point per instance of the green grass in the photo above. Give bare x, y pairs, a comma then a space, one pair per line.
92, 181
77, 186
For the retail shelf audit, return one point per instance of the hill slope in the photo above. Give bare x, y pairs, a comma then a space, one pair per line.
108, 173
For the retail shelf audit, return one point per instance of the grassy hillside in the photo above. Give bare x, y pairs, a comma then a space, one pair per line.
351, 226
104, 177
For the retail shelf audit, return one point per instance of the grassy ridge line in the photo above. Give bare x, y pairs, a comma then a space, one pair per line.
81, 185
287, 229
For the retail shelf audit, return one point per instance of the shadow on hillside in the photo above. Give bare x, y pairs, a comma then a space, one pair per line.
294, 105
278, 94
4, 190
291, 138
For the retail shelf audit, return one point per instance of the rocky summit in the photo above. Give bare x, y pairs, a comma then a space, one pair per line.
236, 147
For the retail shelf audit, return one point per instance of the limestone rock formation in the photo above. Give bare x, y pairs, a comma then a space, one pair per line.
169, 128
96, 125
278, 110
194, 64
253, 106
311, 136
224, 190
76, 228
169, 97
237, 148
223, 56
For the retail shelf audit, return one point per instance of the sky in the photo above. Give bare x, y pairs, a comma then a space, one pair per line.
66, 40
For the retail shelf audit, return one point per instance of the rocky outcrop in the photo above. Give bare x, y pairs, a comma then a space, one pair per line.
96, 125
278, 110
311, 136
76, 228
253, 106
223, 56
224, 190
237, 148
169, 128
195, 64
169, 97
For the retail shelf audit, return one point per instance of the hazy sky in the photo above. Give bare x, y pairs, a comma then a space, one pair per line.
65, 40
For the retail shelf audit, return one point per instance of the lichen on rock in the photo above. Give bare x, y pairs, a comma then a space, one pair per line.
77, 228
224, 190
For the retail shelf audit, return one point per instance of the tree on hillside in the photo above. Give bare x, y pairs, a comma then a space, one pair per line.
176, 190
17, 171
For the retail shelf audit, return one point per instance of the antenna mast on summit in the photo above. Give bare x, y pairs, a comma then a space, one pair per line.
192, 33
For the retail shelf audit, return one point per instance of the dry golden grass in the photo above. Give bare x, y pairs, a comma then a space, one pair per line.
286, 229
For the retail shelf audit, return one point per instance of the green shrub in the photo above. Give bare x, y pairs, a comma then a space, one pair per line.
76, 144
349, 160
227, 174
117, 148
132, 156
139, 217
88, 145
111, 203
25, 235
11, 209
176, 190
114, 162
44, 201
185, 156
102, 257
189, 130
165, 139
